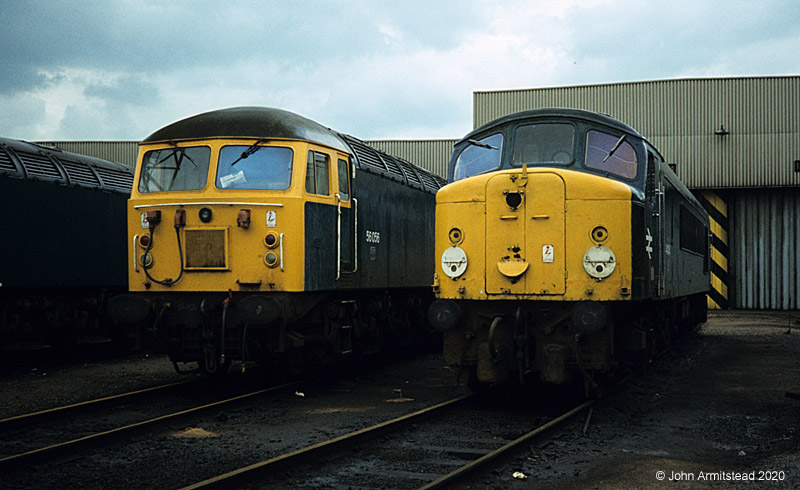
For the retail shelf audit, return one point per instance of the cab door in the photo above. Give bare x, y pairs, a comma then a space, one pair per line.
346, 212
653, 236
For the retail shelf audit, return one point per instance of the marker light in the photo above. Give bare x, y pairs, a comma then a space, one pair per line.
599, 234
144, 241
271, 259
456, 236
146, 260
271, 240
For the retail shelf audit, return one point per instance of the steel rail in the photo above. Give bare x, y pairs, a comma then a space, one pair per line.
109, 436
236, 478
34, 417
451, 477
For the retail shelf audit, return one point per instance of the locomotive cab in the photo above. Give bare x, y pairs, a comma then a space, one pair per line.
238, 207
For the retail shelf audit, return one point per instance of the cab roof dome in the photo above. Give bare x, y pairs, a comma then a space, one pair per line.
248, 122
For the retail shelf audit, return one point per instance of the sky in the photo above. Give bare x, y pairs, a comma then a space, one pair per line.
376, 69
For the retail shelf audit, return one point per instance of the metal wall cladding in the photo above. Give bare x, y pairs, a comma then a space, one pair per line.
116, 151
761, 116
765, 261
432, 155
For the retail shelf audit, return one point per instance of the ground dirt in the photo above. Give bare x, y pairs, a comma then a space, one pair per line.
709, 412
712, 409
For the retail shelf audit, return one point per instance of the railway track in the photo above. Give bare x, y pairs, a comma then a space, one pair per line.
347, 432
67, 420
401, 457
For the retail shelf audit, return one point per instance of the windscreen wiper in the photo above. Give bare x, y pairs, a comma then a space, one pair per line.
481, 145
252, 149
174, 155
615, 147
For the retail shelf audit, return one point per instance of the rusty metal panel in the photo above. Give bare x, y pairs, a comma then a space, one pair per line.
432, 155
757, 118
116, 151
765, 241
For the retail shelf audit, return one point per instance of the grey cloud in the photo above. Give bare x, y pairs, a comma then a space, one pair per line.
134, 89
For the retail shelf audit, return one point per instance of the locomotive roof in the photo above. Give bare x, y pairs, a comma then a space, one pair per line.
555, 112
30, 161
251, 122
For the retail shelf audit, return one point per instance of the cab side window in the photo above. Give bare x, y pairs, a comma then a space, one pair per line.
317, 173
344, 181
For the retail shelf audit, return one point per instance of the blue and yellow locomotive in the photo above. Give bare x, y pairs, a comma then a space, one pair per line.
567, 247
258, 234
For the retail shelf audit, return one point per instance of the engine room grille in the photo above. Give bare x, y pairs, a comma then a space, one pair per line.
206, 249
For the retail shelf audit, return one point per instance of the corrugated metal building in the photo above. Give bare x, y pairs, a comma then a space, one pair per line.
736, 143
432, 155
115, 151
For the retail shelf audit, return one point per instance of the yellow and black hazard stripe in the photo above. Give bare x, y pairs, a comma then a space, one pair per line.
717, 210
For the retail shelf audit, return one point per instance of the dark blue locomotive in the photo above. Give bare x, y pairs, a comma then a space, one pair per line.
65, 245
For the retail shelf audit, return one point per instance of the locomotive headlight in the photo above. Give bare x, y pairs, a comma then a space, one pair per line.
454, 261
513, 199
205, 215
599, 262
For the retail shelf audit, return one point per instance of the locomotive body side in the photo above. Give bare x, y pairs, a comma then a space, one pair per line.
278, 246
566, 247
67, 254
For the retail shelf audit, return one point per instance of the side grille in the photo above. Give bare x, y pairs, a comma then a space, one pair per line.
39, 166
206, 249
6, 164
116, 179
80, 174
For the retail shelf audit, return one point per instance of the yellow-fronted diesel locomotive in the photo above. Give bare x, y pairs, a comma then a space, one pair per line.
567, 247
258, 234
